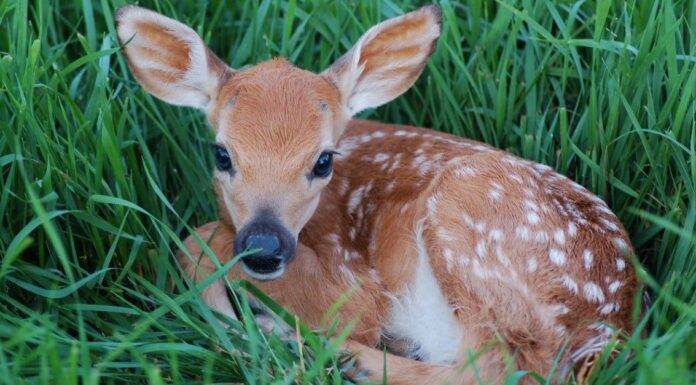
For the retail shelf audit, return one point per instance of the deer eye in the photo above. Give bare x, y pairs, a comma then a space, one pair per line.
222, 159
324, 165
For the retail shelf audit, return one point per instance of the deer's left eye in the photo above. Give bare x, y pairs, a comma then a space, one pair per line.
222, 159
324, 165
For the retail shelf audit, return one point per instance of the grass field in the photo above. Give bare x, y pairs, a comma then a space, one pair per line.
100, 181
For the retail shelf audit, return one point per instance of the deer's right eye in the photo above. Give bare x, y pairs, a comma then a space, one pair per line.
222, 159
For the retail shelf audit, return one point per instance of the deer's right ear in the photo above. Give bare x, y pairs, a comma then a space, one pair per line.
169, 59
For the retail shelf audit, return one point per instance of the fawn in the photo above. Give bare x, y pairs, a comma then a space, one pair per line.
450, 245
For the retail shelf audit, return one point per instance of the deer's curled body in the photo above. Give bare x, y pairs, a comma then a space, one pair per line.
449, 246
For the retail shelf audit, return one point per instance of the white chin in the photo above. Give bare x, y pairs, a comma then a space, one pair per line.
264, 276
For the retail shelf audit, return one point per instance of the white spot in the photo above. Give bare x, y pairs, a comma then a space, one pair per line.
400, 133
396, 163
381, 157
593, 293
355, 199
587, 259
365, 138
480, 227
611, 226
496, 235
423, 316
533, 218
512, 161
522, 232
347, 274
545, 208
542, 167
481, 248
560, 309
569, 284
502, 257
496, 185
615, 286
350, 255
495, 195
464, 171
390, 186
572, 229
432, 203
532, 265
560, 207
609, 308
419, 161
531, 205
620, 264
378, 134
485, 273
557, 257
577, 187
621, 245
516, 178
425, 168
559, 236
333, 238
468, 220
556, 178
542, 237
449, 258
602, 206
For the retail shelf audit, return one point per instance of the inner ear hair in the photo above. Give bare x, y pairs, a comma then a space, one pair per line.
168, 58
386, 60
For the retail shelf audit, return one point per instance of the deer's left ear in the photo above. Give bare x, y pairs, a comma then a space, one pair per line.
387, 59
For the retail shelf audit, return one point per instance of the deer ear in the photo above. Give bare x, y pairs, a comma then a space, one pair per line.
168, 58
387, 59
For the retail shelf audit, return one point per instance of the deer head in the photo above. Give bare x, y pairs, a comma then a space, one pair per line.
276, 125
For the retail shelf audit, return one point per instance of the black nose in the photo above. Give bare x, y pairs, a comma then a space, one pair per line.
268, 243
272, 243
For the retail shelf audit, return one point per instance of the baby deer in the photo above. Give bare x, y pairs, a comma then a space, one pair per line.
448, 245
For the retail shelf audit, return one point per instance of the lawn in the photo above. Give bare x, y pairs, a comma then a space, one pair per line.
100, 181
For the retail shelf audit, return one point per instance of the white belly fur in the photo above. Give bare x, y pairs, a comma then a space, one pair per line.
422, 316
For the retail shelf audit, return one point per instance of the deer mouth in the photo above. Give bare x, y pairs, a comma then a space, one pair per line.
263, 269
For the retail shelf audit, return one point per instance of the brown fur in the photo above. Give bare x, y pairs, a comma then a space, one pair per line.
525, 258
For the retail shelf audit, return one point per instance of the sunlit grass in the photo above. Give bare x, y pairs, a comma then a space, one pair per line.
100, 181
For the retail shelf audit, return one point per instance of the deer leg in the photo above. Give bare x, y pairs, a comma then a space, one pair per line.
373, 365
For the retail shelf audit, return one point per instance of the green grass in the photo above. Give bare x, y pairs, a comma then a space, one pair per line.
100, 181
